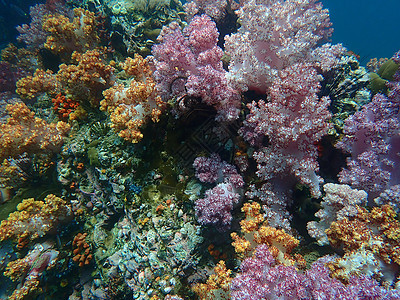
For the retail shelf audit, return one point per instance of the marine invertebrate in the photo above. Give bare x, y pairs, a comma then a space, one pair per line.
131, 104
66, 36
218, 203
340, 201
34, 218
260, 277
294, 120
81, 250
372, 136
376, 232
215, 9
275, 35
87, 77
41, 82
24, 132
190, 64
255, 232
28, 270
64, 107
217, 284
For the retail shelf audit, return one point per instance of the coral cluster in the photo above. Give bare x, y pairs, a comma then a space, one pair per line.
372, 136
131, 104
247, 82
340, 201
28, 270
81, 250
219, 201
24, 132
261, 278
87, 76
66, 35
189, 64
294, 120
275, 35
40, 82
372, 239
34, 218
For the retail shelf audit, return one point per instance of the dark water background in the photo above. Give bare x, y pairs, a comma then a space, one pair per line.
368, 28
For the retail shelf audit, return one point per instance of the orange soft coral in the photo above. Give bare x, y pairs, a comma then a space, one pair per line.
255, 232
41, 82
67, 36
87, 77
217, 285
64, 107
130, 105
24, 132
370, 239
34, 219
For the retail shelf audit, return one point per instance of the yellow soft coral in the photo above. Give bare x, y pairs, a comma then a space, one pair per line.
130, 105
24, 132
41, 82
34, 219
67, 36
255, 231
217, 285
374, 235
87, 76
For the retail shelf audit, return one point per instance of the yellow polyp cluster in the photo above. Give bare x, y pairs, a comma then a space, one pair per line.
130, 105
68, 35
87, 77
217, 285
41, 82
23, 132
241, 245
377, 232
253, 217
256, 232
33, 219
143, 221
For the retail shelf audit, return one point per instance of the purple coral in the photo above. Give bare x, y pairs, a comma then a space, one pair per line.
294, 120
275, 35
261, 278
215, 209
372, 136
190, 64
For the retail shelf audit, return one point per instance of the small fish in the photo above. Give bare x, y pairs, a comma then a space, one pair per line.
19, 10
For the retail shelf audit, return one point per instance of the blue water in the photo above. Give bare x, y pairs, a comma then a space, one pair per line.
368, 28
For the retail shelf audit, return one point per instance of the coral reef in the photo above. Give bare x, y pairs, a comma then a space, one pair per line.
235, 156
